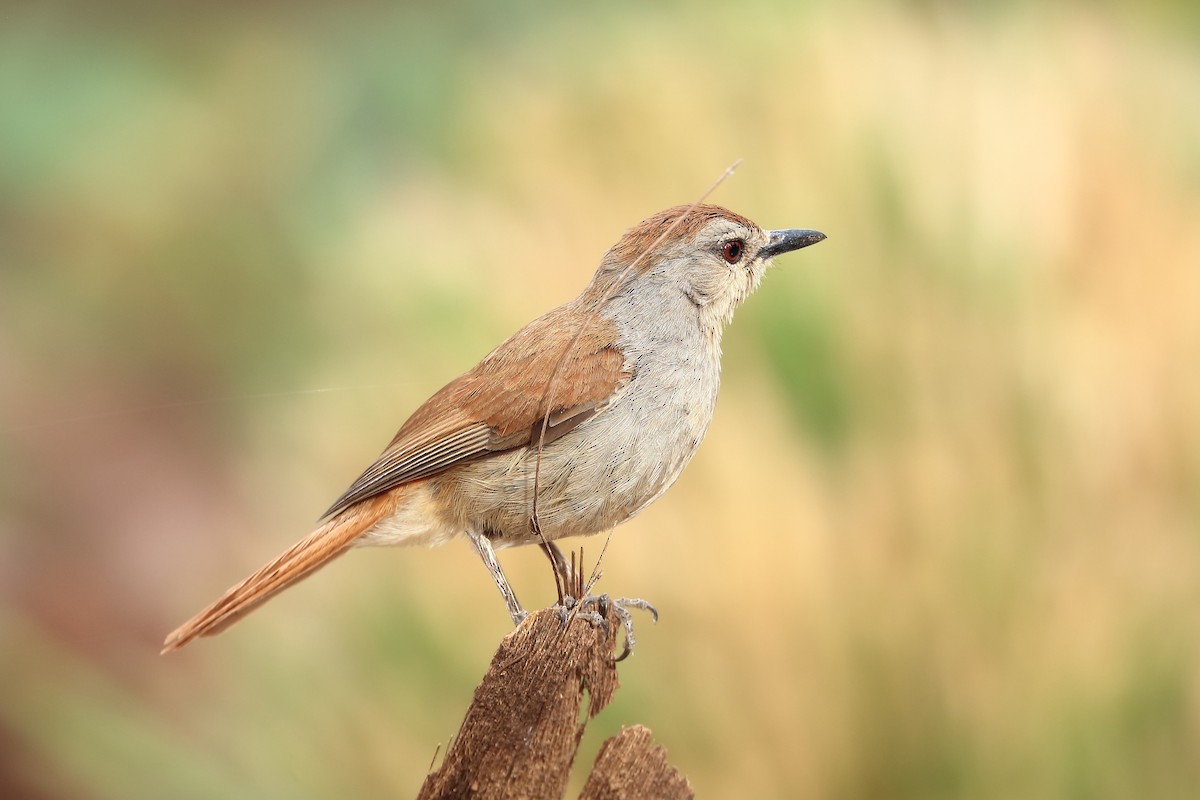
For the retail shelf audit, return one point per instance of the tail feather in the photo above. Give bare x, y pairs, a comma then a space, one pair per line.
296, 563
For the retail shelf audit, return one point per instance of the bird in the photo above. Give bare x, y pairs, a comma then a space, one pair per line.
570, 427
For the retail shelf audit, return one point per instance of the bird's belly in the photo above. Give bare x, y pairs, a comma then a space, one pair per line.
595, 477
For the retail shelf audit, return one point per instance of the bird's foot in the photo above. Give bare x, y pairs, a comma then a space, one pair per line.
594, 608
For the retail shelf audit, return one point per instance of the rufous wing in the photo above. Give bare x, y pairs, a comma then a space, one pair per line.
502, 402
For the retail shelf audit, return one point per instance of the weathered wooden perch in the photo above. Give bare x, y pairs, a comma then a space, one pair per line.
524, 726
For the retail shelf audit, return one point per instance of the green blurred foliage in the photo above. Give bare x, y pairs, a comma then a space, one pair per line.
941, 542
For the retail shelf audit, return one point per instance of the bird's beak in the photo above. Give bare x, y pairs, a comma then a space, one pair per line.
786, 241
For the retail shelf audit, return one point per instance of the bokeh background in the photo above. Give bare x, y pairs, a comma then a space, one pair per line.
943, 539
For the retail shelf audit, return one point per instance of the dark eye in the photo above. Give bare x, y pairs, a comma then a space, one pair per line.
732, 250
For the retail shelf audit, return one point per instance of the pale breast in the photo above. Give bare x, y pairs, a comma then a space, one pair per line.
611, 466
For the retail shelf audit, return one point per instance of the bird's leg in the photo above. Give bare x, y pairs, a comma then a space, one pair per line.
483, 546
569, 581
575, 597
563, 569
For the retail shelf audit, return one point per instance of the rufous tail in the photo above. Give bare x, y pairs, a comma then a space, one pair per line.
298, 562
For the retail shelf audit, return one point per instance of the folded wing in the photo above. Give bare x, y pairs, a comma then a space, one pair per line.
503, 402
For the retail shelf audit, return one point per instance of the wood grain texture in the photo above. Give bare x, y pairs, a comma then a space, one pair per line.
523, 728
631, 767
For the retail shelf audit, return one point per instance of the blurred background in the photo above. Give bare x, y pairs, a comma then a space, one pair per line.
943, 539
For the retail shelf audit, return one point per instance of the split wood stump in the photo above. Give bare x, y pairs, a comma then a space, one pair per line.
524, 726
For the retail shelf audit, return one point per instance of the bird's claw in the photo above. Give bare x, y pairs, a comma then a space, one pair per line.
595, 608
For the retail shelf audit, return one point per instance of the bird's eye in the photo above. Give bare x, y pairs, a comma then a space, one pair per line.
732, 250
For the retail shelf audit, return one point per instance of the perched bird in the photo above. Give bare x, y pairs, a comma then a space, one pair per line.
577, 422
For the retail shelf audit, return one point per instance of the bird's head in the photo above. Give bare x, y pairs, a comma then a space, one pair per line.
711, 255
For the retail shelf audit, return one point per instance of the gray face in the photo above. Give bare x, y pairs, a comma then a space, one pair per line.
729, 258
725, 261
720, 267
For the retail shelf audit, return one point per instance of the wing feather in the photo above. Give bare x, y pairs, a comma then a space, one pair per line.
500, 403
